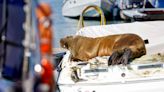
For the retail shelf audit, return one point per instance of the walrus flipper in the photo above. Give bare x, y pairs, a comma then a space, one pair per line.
113, 60
126, 56
120, 57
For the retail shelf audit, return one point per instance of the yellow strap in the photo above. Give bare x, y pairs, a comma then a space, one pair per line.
81, 20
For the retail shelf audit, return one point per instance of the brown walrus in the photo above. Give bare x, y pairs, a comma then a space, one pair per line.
120, 47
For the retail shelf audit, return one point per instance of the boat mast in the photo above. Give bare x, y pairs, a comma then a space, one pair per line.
29, 45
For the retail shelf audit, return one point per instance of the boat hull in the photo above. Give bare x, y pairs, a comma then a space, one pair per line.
142, 86
143, 14
74, 10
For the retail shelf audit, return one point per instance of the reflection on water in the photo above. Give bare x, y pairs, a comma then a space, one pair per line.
64, 26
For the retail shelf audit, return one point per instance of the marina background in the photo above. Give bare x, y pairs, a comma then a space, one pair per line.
64, 26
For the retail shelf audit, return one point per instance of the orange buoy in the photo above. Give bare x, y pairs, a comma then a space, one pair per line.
44, 25
45, 39
43, 10
43, 13
47, 77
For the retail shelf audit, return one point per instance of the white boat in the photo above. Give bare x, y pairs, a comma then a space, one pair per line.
143, 14
129, 4
149, 10
73, 8
144, 75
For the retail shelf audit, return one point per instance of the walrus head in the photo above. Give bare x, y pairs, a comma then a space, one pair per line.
64, 42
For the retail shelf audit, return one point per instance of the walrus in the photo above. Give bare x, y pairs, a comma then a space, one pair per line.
120, 47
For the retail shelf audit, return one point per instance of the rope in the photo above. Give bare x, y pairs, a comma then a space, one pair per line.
81, 20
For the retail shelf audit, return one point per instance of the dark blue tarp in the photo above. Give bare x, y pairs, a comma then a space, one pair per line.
160, 3
157, 3
0, 28
13, 56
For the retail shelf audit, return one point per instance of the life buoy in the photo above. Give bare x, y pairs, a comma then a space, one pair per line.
47, 77
44, 25
43, 13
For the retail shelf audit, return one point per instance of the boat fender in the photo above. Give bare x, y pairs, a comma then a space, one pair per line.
146, 41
